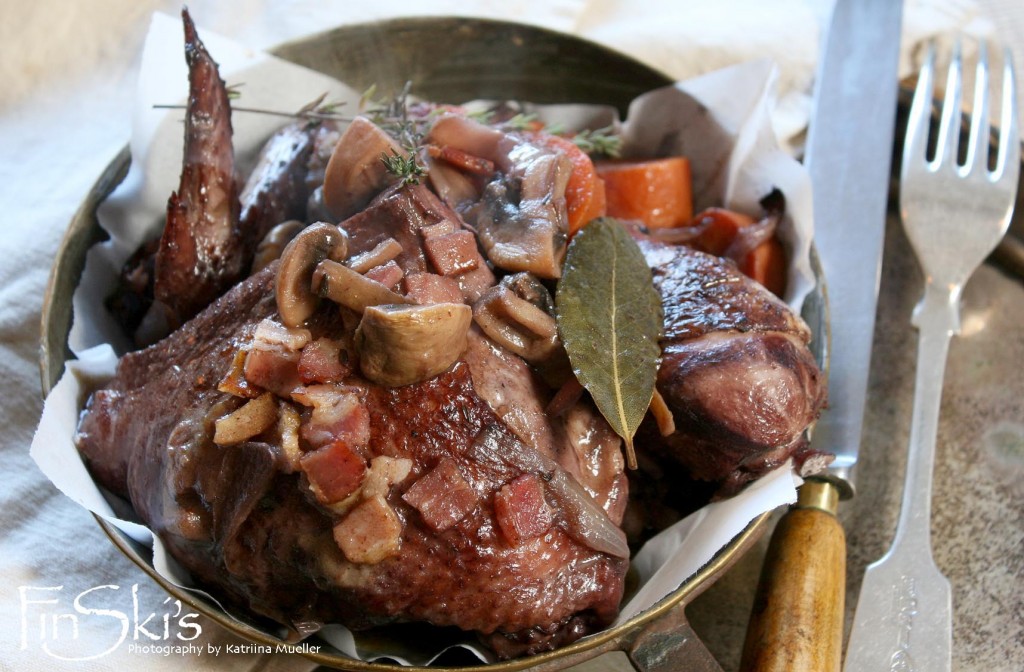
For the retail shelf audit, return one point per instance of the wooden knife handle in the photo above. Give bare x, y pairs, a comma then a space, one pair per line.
796, 624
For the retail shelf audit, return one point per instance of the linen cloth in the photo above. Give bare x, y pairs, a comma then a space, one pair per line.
68, 73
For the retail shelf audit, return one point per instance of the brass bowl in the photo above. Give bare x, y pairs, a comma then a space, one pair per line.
476, 59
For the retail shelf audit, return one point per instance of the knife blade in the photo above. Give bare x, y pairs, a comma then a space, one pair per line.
797, 620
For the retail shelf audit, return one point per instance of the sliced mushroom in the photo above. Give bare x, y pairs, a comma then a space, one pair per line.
355, 173
516, 324
522, 219
253, 418
296, 300
401, 345
382, 253
273, 244
341, 284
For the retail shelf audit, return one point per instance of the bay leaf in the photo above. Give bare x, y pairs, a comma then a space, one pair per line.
610, 320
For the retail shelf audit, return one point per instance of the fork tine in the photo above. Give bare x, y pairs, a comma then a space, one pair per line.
916, 143
949, 125
1008, 162
977, 146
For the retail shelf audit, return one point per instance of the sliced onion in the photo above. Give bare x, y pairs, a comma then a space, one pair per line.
583, 519
253, 418
750, 237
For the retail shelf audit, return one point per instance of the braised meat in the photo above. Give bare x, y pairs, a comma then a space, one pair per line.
736, 371
468, 529
380, 424
200, 249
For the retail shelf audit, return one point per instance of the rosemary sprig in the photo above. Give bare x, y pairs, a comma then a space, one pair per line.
406, 168
482, 116
522, 122
601, 141
316, 110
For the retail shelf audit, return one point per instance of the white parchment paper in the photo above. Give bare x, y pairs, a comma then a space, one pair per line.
720, 121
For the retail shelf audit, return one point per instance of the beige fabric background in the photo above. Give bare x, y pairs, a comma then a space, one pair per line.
66, 80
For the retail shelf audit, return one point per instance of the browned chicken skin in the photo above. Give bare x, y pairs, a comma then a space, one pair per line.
200, 249
736, 371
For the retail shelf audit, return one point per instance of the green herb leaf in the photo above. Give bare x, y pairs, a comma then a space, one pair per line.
404, 167
610, 320
602, 141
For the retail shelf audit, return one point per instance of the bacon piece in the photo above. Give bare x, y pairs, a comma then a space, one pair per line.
453, 253
427, 288
370, 533
201, 252
388, 274
443, 497
462, 160
338, 415
274, 369
521, 509
323, 361
334, 471
439, 229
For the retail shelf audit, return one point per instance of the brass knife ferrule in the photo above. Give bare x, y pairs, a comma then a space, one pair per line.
818, 494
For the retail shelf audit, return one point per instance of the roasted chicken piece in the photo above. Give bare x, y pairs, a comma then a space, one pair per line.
200, 253
213, 225
299, 455
736, 372
360, 503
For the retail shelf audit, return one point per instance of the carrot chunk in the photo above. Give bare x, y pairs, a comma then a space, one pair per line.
657, 192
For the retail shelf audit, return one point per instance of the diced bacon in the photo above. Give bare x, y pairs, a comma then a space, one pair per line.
462, 160
323, 361
338, 415
369, 533
426, 288
453, 253
274, 369
389, 274
521, 509
334, 472
270, 333
442, 228
443, 496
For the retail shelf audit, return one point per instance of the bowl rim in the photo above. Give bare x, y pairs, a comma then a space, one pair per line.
84, 231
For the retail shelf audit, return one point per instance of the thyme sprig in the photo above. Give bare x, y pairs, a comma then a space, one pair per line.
406, 168
392, 115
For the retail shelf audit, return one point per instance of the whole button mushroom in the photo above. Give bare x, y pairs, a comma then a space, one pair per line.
405, 344
296, 300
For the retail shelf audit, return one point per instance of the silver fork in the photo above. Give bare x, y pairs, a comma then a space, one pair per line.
954, 216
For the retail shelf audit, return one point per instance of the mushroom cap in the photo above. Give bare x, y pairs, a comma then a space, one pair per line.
405, 344
296, 300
